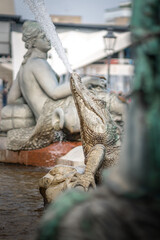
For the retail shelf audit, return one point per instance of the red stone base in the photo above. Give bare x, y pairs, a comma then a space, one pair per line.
45, 157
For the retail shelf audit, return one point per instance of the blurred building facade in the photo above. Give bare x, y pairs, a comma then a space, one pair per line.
7, 7
7, 16
120, 15
66, 19
83, 44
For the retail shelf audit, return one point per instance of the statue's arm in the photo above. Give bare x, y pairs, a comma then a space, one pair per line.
48, 81
15, 92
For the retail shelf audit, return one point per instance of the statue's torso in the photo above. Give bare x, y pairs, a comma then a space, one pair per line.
30, 88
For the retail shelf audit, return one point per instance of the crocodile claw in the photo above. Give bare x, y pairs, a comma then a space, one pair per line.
85, 181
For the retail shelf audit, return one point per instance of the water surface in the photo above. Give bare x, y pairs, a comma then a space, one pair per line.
21, 204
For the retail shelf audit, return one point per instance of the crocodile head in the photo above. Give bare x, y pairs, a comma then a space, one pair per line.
92, 114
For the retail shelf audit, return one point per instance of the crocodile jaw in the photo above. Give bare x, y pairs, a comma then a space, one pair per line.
92, 121
85, 101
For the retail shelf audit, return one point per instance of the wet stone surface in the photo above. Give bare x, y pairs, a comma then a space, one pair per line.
21, 204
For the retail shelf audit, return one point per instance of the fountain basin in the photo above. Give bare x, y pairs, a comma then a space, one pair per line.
44, 157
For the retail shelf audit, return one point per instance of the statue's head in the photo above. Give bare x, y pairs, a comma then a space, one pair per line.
34, 36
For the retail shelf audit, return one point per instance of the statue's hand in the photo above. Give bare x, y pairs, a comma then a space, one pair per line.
85, 180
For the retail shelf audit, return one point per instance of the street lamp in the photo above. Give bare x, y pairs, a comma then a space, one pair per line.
109, 43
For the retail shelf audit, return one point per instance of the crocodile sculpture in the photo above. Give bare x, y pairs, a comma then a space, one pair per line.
99, 134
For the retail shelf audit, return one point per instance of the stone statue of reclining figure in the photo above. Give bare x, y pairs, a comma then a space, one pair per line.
37, 84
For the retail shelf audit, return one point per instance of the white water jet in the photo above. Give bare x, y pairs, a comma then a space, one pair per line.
41, 15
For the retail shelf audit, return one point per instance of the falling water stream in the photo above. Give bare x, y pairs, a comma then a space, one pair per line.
41, 15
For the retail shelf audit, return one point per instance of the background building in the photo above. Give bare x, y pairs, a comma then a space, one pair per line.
119, 15
7, 7
83, 42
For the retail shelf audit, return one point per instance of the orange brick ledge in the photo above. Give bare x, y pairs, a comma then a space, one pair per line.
45, 157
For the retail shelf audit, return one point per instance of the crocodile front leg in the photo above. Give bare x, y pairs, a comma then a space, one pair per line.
94, 160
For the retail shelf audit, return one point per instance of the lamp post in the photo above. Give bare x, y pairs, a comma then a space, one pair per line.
109, 42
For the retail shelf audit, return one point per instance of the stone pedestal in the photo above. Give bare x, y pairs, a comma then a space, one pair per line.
45, 157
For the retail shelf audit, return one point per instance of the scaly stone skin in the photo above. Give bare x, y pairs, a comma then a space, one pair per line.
98, 134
